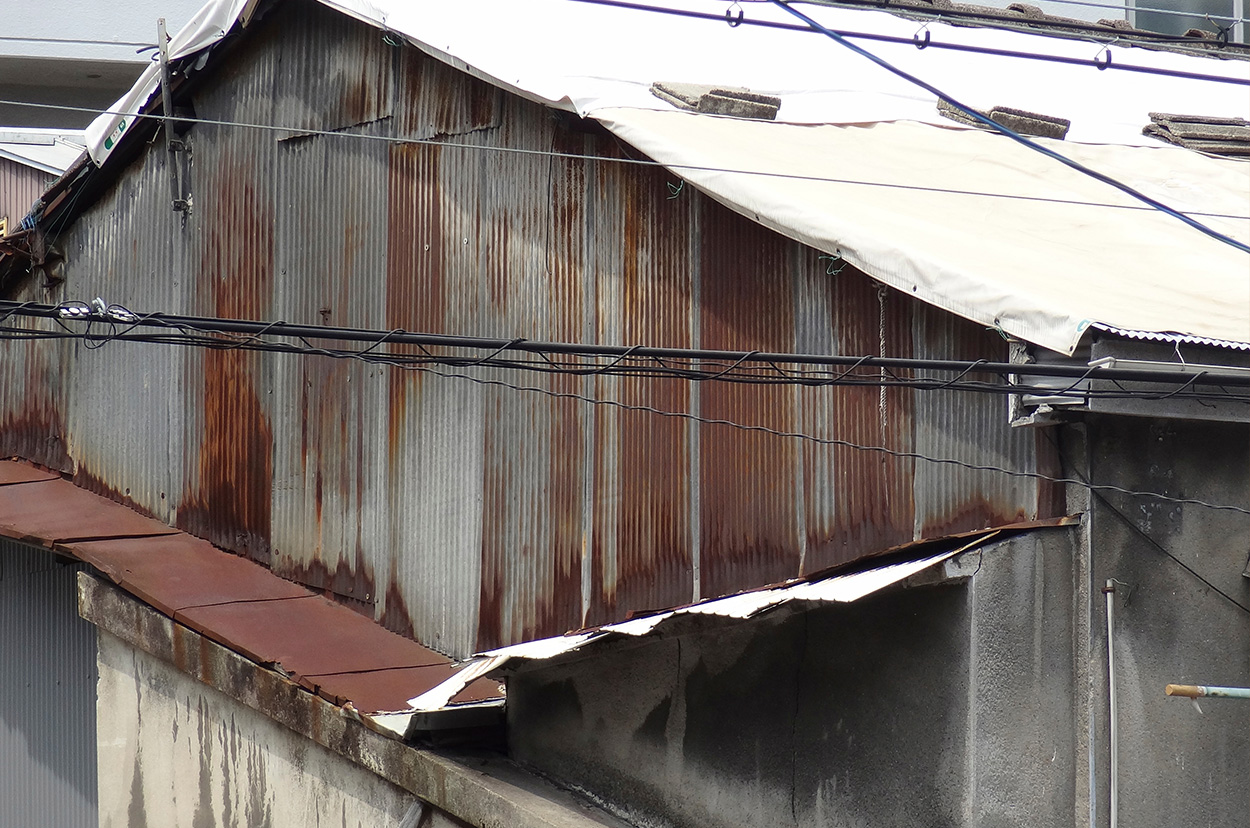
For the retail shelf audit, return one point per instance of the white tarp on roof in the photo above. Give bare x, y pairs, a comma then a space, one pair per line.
591, 57
1034, 261
1040, 251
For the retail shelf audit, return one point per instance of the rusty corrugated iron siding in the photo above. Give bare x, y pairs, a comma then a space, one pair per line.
473, 515
20, 188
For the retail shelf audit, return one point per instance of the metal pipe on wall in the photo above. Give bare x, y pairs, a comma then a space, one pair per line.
1198, 691
1113, 792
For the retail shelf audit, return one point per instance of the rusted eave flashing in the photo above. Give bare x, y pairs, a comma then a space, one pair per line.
478, 795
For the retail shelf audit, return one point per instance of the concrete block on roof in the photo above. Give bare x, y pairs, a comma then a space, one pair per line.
734, 101
1016, 120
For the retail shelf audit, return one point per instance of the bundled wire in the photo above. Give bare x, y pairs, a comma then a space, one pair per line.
106, 323
384, 349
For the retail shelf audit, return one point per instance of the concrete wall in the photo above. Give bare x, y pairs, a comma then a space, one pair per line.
1182, 616
934, 706
175, 752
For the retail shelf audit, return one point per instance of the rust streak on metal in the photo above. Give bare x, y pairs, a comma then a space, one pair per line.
231, 501
83, 478
647, 560
749, 528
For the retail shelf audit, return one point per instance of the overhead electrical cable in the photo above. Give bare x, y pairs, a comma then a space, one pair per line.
1012, 134
251, 341
1132, 525
1076, 392
830, 441
629, 357
1111, 38
573, 156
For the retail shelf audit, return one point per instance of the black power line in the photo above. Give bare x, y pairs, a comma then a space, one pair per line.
735, 360
842, 40
371, 356
1094, 62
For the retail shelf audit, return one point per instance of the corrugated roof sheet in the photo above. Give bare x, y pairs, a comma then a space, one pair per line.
1158, 336
324, 646
828, 586
46, 150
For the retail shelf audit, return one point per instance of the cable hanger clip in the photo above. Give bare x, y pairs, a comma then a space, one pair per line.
922, 42
1098, 58
734, 22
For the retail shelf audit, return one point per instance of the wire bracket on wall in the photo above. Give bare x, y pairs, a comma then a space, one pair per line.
174, 146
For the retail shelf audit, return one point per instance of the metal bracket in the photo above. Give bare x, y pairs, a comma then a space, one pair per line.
173, 146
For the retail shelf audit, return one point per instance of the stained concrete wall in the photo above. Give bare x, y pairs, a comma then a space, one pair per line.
175, 752
1182, 615
934, 706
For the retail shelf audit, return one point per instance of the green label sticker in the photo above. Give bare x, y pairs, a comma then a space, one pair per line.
111, 141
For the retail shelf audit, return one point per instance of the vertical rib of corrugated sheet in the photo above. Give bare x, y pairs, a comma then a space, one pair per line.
333, 76
329, 496
129, 249
20, 187
746, 479
874, 502
227, 495
32, 385
47, 693
432, 464
438, 99
533, 506
817, 480
640, 253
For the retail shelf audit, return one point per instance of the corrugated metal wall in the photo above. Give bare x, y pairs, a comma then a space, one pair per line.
20, 186
475, 515
47, 694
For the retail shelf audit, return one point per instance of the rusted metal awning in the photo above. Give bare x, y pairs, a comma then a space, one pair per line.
323, 646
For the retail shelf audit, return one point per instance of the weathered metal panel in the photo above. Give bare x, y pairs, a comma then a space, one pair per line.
129, 249
32, 419
352, 82
469, 515
326, 647
969, 427
872, 501
643, 542
47, 693
329, 498
20, 187
748, 532
227, 491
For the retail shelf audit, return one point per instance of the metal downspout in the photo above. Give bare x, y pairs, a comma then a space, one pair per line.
1114, 787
